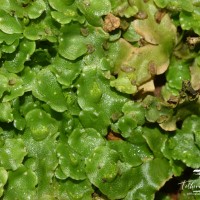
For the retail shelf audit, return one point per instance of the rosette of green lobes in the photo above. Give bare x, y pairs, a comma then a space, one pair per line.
34, 9
9, 38
177, 72
75, 190
129, 153
43, 28
9, 24
155, 136
24, 9
157, 110
134, 116
126, 125
94, 93
9, 42
66, 71
88, 139
47, 89
18, 120
137, 65
10, 48
6, 114
134, 110
105, 170
72, 44
41, 124
12, 153
3, 179
120, 51
42, 160
195, 73
11, 86
124, 8
184, 145
93, 10
149, 178
66, 11
60, 5
25, 50
21, 184
71, 164
178, 5
96, 39
192, 124
190, 20
3, 85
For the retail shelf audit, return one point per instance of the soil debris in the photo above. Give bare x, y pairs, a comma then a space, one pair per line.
111, 23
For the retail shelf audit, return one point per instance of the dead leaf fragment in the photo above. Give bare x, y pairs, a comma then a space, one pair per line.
111, 23
113, 136
159, 15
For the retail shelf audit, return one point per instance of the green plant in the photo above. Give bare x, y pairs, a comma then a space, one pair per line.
99, 99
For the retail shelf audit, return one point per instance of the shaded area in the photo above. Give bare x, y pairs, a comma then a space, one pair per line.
172, 188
